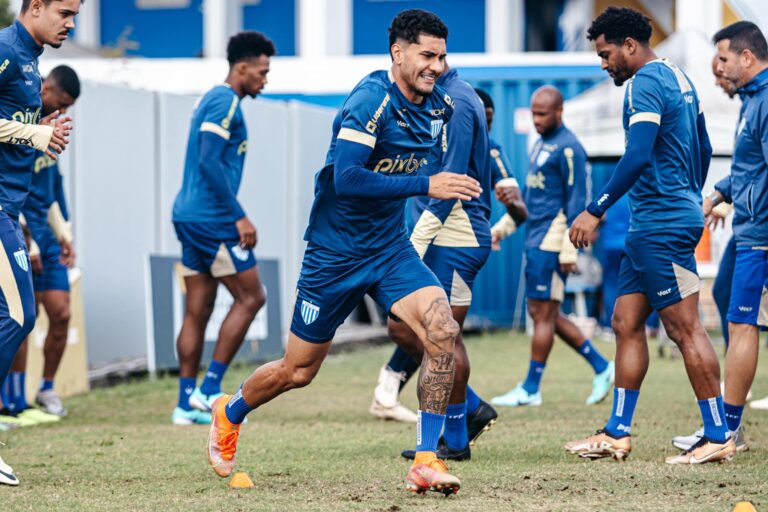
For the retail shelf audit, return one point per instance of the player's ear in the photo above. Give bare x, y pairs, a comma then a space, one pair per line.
397, 53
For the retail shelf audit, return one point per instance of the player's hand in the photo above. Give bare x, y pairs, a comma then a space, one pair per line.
37, 264
583, 228
569, 268
495, 241
247, 232
707, 206
448, 185
507, 195
62, 126
68, 256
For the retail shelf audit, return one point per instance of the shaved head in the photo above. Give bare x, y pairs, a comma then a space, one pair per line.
547, 109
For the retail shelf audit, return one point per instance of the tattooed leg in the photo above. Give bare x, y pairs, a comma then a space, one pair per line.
437, 367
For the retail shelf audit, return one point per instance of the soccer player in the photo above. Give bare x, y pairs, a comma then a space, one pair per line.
216, 236
742, 53
663, 168
40, 22
357, 243
555, 193
47, 219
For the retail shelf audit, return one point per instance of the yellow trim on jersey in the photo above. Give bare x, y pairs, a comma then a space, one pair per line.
504, 227
10, 288
223, 265
553, 240
59, 225
424, 231
457, 230
356, 136
568, 253
37, 136
461, 293
214, 128
649, 117
507, 183
568, 152
496, 155
228, 120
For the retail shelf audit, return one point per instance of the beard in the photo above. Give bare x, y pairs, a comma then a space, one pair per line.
621, 74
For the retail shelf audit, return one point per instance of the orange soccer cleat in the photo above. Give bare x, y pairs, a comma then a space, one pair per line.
431, 475
222, 438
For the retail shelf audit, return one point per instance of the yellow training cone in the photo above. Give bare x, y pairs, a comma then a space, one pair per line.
744, 506
241, 480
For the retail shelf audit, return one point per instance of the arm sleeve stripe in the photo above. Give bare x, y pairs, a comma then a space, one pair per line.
650, 117
500, 163
214, 128
356, 136
228, 120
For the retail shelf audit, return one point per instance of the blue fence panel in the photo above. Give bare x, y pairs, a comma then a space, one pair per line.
153, 32
370, 19
498, 298
276, 19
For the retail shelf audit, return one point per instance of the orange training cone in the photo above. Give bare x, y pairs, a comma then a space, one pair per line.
241, 480
744, 506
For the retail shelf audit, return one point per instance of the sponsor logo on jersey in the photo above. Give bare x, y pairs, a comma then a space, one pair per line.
242, 148
624, 428
402, 124
437, 112
535, 180
449, 101
28, 68
309, 312
21, 259
662, 293
407, 165
542, 158
603, 198
436, 127
371, 125
27, 117
20, 141
43, 162
4, 65
745, 309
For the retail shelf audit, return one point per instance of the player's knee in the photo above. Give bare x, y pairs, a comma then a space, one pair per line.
252, 302
60, 315
624, 326
302, 376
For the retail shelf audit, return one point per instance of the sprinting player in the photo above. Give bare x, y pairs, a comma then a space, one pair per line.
46, 214
40, 22
663, 168
555, 193
357, 243
721, 288
454, 240
743, 60
216, 236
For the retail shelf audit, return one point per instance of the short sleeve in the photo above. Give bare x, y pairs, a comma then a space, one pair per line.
219, 112
645, 100
362, 115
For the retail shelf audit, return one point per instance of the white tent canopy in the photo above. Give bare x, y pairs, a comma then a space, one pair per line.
595, 116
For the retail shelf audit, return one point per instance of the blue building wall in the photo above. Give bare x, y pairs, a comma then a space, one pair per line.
275, 18
371, 18
497, 299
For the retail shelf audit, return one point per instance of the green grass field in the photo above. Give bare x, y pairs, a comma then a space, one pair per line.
318, 449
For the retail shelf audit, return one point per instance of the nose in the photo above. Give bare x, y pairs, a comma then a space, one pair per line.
604, 64
437, 66
70, 23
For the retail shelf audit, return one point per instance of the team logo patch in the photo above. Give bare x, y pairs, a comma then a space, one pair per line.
437, 126
309, 312
21, 260
239, 253
542, 158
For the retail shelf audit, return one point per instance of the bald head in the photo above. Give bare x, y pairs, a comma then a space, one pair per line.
720, 80
547, 109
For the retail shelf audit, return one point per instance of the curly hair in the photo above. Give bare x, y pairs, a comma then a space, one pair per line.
247, 45
744, 35
618, 23
485, 98
409, 24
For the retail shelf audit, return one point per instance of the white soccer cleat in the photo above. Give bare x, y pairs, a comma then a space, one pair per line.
50, 402
387, 392
517, 398
685, 442
7, 476
397, 413
761, 404
201, 402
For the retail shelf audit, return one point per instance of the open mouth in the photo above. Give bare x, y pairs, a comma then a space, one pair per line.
428, 77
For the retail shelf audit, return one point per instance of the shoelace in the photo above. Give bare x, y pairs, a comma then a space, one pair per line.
438, 465
228, 444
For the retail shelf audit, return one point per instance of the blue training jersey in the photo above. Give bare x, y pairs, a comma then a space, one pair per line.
668, 193
464, 148
399, 136
210, 196
47, 188
20, 85
555, 189
500, 166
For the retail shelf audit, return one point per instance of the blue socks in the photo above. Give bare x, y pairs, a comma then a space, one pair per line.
237, 409
186, 387
5, 392
212, 383
18, 393
593, 357
428, 431
624, 402
401, 362
733, 415
532, 381
473, 400
455, 433
46, 385
713, 414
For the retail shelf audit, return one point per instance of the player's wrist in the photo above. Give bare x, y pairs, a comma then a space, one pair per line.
716, 197
595, 210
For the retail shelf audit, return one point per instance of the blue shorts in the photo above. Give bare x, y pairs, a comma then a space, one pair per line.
331, 284
749, 291
212, 248
661, 265
55, 275
456, 268
543, 278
